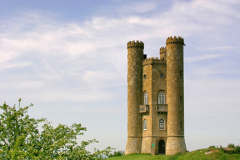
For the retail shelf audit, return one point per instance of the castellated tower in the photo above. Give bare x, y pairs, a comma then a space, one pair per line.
175, 100
134, 78
156, 99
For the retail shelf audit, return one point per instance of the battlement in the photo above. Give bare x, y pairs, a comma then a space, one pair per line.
135, 44
153, 60
162, 50
175, 40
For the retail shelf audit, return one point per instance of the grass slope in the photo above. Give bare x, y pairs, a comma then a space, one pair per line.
215, 153
141, 157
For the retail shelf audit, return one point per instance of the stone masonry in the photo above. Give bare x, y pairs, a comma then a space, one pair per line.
156, 99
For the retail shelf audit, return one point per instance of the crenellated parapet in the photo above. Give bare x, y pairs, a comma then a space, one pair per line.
162, 50
153, 60
135, 44
175, 40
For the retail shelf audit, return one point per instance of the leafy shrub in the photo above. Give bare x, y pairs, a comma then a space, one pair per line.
221, 148
211, 147
237, 149
117, 154
20, 138
231, 145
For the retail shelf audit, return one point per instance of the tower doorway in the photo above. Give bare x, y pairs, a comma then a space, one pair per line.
161, 147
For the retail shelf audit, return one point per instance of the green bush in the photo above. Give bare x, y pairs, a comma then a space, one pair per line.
237, 149
211, 147
117, 154
20, 138
221, 148
230, 145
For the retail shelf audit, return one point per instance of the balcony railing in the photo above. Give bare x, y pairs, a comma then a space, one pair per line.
162, 108
143, 109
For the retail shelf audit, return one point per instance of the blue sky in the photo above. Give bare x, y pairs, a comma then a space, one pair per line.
69, 58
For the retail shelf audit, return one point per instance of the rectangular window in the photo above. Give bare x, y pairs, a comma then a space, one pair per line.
180, 99
161, 97
181, 74
145, 124
145, 99
161, 124
180, 125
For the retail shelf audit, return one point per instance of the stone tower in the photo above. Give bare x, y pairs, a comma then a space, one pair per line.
135, 57
156, 99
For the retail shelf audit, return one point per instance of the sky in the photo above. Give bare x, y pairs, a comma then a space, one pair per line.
69, 58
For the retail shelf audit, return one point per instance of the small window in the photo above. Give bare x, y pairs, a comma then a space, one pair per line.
161, 124
180, 125
181, 74
180, 99
145, 124
161, 75
145, 99
161, 97
144, 76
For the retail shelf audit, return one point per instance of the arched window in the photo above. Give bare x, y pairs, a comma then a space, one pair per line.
145, 99
161, 124
161, 97
145, 124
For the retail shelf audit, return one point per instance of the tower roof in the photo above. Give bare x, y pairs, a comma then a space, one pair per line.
135, 44
175, 40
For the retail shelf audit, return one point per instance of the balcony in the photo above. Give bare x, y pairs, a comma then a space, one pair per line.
144, 109
162, 108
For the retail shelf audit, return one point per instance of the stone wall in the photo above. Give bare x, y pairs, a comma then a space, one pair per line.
175, 145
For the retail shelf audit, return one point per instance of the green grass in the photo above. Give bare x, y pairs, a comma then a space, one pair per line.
140, 157
198, 155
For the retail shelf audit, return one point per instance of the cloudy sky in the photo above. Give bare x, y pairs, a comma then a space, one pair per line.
69, 58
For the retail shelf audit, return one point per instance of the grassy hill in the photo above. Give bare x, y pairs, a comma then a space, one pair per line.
202, 154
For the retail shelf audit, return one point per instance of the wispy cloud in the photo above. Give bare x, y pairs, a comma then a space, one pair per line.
138, 7
64, 50
14, 65
93, 43
202, 57
222, 48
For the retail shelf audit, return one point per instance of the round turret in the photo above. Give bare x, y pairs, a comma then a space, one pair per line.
135, 57
175, 93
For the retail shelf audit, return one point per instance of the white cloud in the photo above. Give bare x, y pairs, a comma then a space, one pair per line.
50, 44
202, 57
7, 54
61, 95
99, 32
217, 48
138, 7
14, 65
